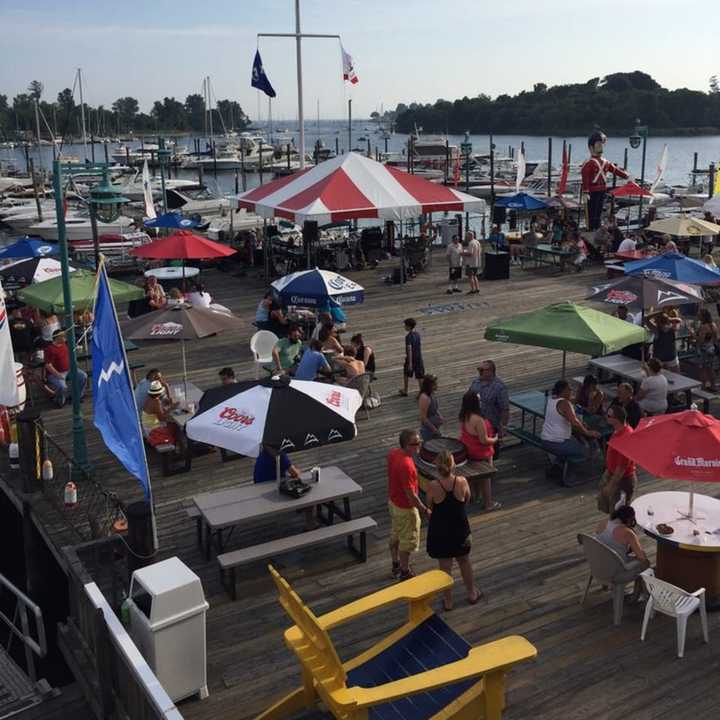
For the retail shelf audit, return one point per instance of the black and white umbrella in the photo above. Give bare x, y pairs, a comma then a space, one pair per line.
288, 414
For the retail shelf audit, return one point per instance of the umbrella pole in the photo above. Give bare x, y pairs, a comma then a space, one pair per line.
184, 360
563, 365
692, 502
277, 467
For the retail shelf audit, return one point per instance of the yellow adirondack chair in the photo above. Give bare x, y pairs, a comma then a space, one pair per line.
424, 670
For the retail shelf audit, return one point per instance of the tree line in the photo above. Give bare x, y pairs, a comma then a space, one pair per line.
17, 118
613, 103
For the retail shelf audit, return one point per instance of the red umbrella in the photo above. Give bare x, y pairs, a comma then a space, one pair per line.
631, 189
182, 245
679, 446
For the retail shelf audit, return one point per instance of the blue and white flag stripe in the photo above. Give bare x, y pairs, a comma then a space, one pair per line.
115, 412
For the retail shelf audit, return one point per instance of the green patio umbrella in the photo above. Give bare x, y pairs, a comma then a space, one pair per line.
568, 327
48, 295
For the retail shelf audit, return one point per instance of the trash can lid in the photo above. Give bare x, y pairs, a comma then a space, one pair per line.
173, 587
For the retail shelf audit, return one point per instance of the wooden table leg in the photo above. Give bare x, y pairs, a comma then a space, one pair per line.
690, 570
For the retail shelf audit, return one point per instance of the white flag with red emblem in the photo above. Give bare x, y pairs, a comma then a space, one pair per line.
8, 377
348, 67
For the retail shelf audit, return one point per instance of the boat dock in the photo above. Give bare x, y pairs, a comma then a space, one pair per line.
525, 556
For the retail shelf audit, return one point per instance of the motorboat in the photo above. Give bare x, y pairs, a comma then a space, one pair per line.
235, 221
133, 188
78, 227
196, 200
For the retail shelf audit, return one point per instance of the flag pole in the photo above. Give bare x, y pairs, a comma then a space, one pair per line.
298, 54
101, 268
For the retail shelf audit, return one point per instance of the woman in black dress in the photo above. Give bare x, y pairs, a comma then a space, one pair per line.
448, 536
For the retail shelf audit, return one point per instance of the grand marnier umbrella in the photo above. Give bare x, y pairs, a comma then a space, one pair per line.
639, 292
568, 327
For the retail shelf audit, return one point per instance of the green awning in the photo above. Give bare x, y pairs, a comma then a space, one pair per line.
48, 295
569, 327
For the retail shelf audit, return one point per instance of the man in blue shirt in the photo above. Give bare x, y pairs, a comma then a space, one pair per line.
312, 363
498, 239
266, 469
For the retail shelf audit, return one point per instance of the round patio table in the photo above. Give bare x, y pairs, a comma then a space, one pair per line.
689, 557
172, 273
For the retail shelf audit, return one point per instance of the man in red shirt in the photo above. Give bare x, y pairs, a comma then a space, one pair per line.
57, 367
620, 475
404, 504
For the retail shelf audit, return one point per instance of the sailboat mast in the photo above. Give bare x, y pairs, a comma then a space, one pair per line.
210, 111
205, 106
82, 112
270, 119
298, 53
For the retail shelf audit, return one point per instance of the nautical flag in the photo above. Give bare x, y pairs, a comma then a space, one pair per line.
115, 412
348, 67
147, 193
259, 78
8, 378
562, 185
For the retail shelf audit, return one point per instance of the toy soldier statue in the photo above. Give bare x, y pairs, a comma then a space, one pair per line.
593, 174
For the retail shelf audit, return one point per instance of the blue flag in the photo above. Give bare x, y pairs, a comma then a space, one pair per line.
259, 78
116, 416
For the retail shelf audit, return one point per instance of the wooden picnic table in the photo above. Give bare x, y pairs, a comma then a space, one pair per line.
631, 369
188, 407
224, 510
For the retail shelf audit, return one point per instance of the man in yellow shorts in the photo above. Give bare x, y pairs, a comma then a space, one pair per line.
404, 504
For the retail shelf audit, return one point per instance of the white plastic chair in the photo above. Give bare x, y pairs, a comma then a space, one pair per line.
675, 602
262, 344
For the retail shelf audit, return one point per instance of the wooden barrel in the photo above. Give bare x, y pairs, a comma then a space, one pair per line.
432, 448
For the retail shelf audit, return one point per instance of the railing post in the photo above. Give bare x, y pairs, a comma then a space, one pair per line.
30, 443
104, 664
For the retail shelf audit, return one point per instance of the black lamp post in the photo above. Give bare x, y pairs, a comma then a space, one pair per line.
105, 204
640, 135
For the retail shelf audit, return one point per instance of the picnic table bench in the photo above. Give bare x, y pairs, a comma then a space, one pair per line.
220, 512
547, 255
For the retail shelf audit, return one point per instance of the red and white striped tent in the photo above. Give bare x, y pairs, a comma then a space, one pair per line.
352, 186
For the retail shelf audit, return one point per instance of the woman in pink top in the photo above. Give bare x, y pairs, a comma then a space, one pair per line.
477, 434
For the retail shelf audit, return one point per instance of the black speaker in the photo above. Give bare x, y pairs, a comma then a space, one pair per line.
310, 234
497, 266
498, 215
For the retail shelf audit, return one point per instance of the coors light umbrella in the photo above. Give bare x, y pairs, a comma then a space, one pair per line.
288, 414
181, 322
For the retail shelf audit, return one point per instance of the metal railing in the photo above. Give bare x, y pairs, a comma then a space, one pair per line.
23, 604
96, 509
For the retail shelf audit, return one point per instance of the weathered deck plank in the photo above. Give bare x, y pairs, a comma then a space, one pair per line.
525, 556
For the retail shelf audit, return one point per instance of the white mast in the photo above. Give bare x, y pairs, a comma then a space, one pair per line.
210, 109
298, 52
82, 111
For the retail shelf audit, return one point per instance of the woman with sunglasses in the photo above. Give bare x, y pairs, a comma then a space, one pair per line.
618, 534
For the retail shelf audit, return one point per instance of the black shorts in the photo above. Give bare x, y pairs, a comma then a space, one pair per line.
471, 271
418, 371
455, 273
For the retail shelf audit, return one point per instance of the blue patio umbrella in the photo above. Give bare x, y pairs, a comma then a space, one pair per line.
173, 220
674, 266
315, 288
521, 201
29, 246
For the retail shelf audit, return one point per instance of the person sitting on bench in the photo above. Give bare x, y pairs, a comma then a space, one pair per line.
157, 423
57, 368
560, 421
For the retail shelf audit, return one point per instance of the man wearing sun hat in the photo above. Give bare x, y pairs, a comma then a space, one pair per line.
57, 367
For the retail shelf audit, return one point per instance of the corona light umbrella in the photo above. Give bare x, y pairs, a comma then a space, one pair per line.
567, 327
181, 322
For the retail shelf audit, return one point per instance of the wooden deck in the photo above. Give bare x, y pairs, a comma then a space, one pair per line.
525, 556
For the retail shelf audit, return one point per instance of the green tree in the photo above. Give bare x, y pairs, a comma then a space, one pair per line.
35, 88
195, 111
126, 109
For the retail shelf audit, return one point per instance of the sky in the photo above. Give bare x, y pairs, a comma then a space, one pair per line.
404, 50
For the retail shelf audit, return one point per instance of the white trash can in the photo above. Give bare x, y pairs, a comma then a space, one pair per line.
167, 609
